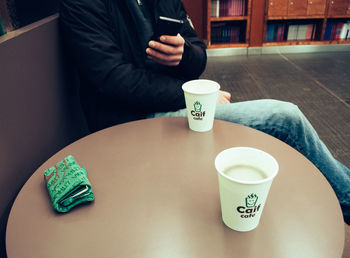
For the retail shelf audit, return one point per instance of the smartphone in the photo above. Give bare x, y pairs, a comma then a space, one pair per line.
167, 26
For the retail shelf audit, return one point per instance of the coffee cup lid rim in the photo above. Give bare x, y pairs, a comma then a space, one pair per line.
215, 88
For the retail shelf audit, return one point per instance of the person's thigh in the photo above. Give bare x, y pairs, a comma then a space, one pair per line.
266, 115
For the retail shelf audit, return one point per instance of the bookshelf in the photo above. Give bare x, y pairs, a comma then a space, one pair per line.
228, 23
278, 23
302, 22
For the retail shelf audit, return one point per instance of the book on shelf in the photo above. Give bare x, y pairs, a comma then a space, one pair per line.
284, 31
225, 32
328, 31
345, 32
301, 31
270, 32
275, 32
306, 32
223, 8
337, 30
215, 5
292, 32
310, 32
280, 32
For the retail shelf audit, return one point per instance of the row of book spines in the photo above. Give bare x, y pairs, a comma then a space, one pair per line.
337, 31
222, 8
283, 31
275, 32
225, 33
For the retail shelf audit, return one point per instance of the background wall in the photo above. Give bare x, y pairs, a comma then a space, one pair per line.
39, 108
19, 13
197, 10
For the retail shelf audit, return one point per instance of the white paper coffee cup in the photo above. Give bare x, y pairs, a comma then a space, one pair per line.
201, 96
245, 175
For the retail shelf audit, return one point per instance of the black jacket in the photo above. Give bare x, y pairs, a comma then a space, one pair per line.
115, 84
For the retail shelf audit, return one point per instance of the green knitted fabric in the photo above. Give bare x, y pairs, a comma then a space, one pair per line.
68, 185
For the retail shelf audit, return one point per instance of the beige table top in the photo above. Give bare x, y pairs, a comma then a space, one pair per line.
157, 195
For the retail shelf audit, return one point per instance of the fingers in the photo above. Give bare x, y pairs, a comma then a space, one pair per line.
222, 100
167, 52
173, 40
164, 58
223, 97
226, 94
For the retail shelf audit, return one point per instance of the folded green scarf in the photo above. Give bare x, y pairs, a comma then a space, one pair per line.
68, 185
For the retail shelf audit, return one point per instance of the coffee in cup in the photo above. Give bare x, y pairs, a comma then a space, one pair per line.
245, 175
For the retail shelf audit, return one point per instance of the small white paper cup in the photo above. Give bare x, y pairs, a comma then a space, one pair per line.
245, 176
201, 96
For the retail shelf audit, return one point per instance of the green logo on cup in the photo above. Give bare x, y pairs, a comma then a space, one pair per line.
197, 106
197, 113
251, 200
250, 208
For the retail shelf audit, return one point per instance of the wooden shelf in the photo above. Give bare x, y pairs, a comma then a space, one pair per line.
227, 45
338, 16
294, 17
228, 18
338, 41
305, 42
229, 25
260, 14
295, 42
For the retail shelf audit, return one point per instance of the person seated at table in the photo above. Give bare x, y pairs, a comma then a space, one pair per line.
125, 76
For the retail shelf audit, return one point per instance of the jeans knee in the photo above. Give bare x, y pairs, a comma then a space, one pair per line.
287, 113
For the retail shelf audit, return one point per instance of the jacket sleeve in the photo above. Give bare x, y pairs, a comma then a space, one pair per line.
91, 43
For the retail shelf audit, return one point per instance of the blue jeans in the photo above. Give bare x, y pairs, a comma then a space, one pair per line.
286, 122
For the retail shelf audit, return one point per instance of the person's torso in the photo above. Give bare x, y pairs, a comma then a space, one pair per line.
124, 24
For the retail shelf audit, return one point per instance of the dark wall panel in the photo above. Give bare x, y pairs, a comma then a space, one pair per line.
196, 9
39, 107
24, 12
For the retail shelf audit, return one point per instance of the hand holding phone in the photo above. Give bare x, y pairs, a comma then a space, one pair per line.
167, 26
169, 50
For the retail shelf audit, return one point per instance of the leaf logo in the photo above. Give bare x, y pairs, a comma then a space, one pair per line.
250, 200
197, 106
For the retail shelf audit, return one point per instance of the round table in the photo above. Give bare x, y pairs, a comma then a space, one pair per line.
157, 195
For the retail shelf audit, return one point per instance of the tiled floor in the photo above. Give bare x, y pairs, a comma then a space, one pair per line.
319, 83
